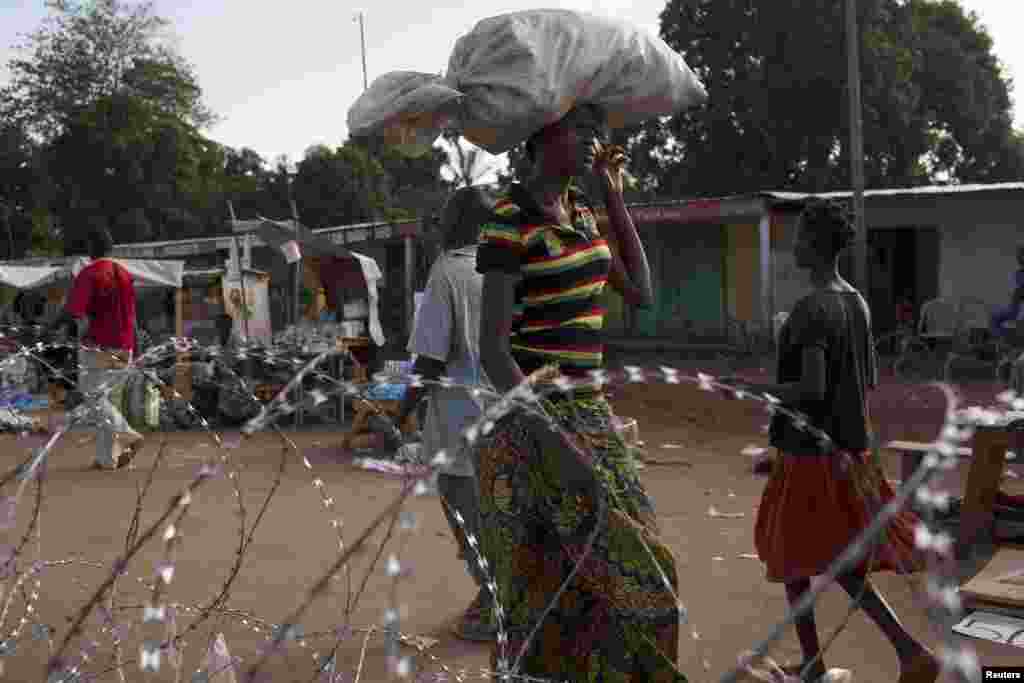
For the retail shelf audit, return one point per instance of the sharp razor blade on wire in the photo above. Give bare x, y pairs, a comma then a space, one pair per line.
521, 398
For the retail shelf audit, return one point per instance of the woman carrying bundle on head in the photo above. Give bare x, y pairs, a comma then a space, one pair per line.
560, 498
546, 488
826, 365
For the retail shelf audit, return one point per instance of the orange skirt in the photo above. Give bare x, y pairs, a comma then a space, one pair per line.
813, 507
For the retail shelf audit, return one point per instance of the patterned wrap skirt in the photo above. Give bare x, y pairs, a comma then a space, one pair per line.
814, 506
617, 621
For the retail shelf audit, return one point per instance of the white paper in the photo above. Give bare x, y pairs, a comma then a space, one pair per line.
372, 274
257, 299
997, 628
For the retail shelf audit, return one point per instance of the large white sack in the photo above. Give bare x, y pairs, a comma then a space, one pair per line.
516, 73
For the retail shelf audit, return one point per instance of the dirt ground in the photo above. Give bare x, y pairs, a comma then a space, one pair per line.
692, 449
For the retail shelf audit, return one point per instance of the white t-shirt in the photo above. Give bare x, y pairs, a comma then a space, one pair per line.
447, 329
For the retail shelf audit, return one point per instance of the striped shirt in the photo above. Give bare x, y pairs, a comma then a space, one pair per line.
559, 312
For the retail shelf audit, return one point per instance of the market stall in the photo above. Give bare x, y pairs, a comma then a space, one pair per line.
338, 292
47, 282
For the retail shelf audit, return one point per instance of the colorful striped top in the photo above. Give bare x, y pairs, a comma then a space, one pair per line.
559, 310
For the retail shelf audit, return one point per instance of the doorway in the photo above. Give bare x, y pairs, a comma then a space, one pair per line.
903, 264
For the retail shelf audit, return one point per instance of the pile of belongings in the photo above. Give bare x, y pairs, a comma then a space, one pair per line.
11, 420
516, 73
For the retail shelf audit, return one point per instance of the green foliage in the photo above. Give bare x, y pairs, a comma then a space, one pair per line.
936, 105
114, 115
85, 52
337, 187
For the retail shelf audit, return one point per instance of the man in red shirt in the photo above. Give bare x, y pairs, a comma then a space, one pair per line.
104, 294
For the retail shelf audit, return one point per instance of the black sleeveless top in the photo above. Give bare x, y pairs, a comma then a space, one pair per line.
839, 323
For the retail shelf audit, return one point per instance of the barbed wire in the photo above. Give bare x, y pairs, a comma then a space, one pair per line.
159, 627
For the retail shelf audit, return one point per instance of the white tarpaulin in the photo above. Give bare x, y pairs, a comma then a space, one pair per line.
372, 275
29, 277
147, 273
515, 73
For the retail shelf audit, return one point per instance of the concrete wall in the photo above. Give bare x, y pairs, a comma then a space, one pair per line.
976, 252
790, 282
977, 239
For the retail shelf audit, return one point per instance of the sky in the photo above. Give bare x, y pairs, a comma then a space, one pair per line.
283, 75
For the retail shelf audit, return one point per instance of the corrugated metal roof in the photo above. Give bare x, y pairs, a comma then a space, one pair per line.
901, 191
770, 195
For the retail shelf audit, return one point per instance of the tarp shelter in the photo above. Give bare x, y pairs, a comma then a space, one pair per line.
56, 275
147, 273
29, 277
335, 265
221, 294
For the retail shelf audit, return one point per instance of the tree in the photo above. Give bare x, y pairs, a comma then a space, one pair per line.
116, 115
934, 99
125, 155
87, 51
338, 187
26, 224
15, 188
415, 184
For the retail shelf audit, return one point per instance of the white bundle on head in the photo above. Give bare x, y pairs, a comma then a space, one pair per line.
516, 73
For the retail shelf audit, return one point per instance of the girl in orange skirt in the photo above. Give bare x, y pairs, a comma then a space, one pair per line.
822, 496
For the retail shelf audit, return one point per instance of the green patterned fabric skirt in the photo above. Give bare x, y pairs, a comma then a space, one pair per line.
617, 621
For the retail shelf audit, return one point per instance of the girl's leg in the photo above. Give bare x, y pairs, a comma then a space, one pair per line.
806, 629
916, 662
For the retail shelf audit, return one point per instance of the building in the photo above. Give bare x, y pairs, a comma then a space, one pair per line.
715, 260
392, 245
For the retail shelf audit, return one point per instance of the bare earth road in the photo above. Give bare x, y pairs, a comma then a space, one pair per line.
693, 444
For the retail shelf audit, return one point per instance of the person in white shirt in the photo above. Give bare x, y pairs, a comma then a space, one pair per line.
445, 340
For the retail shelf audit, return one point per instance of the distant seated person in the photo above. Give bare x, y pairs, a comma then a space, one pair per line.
1011, 313
905, 313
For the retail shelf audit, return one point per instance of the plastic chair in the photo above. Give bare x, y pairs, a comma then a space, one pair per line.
936, 327
972, 340
939, 321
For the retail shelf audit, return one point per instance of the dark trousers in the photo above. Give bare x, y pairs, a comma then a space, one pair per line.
460, 493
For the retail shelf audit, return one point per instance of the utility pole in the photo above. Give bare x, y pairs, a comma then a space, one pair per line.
362, 41
860, 244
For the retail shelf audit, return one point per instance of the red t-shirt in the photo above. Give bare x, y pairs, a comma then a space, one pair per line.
104, 292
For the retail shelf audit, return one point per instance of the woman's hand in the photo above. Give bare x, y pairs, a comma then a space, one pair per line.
610, 165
